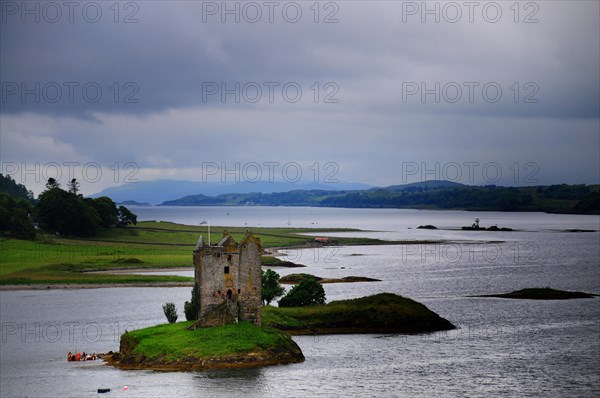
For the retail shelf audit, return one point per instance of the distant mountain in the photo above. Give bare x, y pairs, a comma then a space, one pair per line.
431, 184
133, 203
581, 199
158, 191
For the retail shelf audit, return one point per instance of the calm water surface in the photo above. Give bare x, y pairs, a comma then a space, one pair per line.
502, 347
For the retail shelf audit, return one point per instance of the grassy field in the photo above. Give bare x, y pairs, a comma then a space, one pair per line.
57, 260
174, 341
384, 312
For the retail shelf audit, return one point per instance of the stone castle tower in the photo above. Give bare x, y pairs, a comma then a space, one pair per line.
229, 276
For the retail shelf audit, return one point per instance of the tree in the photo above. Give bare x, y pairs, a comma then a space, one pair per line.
65, 213
271, 289
106, 209
14, 217
52, 183
191, 309
73, 186
308, 292
170, 312
125, 217
10, 187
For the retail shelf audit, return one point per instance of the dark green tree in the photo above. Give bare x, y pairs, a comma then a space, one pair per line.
106, 209
271, 289
308, 292
15, 217
52, 183
65, 213
125, 217
73, 186
192, 308
170, 312
10, 187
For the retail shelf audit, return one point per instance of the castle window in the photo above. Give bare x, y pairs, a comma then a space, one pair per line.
239, 291
229, 257
225, 270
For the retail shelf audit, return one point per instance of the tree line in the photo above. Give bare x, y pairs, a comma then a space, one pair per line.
65, 212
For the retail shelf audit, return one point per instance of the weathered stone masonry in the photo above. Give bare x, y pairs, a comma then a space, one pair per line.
230, 280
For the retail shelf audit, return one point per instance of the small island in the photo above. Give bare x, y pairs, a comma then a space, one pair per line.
232, 329
241, 345
380, 313
293, 279
175, 347
544, 293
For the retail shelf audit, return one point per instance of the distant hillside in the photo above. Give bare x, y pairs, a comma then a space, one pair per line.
158, 191
18, 191
581, 199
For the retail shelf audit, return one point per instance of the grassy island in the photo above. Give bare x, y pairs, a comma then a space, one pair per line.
174, 347
293, 279
381, 313
544, 293
239, 345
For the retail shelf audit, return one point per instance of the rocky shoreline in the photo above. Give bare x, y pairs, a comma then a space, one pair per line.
269, 357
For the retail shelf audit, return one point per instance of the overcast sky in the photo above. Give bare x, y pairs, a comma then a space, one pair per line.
376, 92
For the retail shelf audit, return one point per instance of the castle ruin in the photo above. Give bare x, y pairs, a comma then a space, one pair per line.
229, 278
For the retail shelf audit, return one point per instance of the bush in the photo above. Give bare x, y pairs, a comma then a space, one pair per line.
271, 289
190, 309
170, 312
308, 292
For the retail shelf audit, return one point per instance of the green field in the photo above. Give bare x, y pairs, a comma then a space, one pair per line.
174, 341
57, 260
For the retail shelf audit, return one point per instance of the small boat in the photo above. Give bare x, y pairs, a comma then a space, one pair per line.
103, 390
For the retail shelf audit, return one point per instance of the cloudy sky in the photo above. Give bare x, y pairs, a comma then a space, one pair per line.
378, 92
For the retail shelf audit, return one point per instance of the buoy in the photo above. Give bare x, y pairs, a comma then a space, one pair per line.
125, 388
103, 390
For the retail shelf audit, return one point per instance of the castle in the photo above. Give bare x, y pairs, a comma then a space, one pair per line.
229, 277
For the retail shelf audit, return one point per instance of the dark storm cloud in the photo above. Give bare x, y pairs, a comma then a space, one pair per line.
529, 92
167, 58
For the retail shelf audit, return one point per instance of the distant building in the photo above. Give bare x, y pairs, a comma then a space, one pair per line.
229, 276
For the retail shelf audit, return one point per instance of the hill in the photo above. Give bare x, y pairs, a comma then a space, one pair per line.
158, 191
577, 199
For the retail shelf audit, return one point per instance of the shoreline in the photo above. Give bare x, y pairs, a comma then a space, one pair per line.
77, 286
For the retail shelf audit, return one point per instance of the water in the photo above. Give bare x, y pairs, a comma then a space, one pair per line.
502, 347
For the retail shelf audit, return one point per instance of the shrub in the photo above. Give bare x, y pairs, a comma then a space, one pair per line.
190, 309
308, 292
170, 312
271, 289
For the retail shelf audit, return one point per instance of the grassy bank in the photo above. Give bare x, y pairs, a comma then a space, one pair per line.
381, 313
56, 260
172, 346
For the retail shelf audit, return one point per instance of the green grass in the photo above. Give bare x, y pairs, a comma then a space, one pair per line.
51, 259
174, 341
386, 312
